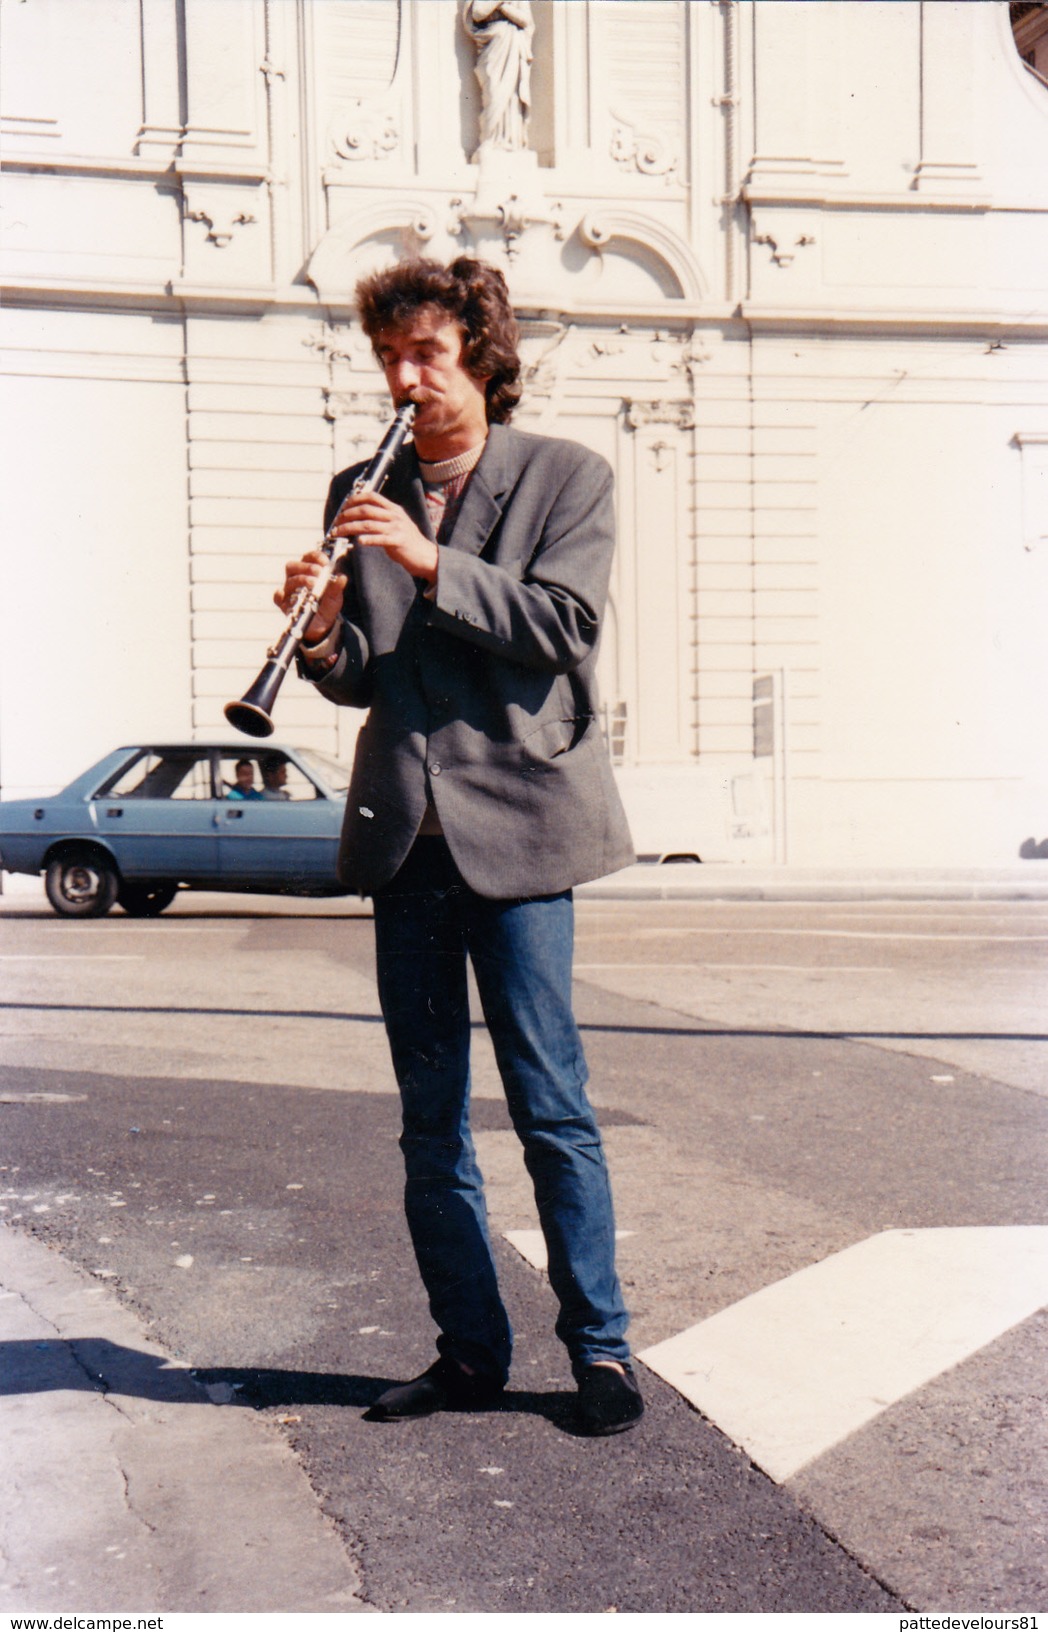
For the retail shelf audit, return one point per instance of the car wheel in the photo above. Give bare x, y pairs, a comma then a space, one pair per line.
81, 884
146, 899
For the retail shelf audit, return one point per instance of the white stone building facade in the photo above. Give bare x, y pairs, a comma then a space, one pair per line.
784, 262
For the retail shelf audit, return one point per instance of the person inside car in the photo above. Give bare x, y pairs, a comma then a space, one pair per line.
274, 778
244, 787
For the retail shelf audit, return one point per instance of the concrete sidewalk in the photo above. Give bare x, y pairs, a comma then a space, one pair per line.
123, 1487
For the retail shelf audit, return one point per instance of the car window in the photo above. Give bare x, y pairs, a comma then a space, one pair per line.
330, 771
272, 776
162, 775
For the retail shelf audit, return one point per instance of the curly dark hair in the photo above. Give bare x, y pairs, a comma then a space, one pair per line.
474, 294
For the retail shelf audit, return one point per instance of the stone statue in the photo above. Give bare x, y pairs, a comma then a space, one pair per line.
502, 31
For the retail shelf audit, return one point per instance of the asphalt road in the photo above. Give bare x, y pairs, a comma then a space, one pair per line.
198, 1111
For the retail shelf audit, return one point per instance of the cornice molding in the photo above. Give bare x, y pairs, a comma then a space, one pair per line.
898, 321
198, 297
905, 203
173, 296
180, 169
174, 170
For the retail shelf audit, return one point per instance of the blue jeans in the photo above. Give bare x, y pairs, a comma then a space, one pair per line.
427, 921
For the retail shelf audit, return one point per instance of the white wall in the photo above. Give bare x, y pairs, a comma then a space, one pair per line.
783, 263
934, 746
94, 648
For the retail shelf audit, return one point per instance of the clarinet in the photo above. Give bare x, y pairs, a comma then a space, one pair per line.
252, 714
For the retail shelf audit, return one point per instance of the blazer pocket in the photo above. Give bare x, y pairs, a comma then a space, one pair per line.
554, 738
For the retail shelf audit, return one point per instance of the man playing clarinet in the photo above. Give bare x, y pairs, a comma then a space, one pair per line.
467, 624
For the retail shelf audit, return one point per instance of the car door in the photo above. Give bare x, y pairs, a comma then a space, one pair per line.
278, 828
159, 815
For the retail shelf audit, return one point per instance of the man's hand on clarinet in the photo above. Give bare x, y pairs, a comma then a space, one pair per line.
370, 522
300, 575
375, 522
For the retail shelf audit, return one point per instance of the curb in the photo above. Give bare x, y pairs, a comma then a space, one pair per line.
691, 882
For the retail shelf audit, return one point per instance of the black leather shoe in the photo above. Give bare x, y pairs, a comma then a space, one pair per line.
609, 1400
444, 1387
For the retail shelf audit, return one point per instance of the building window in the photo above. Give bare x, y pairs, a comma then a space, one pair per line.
1029, 22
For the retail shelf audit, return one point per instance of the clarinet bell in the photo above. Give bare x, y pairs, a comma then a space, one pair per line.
252, 714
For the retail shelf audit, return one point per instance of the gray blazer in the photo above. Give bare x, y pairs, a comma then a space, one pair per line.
485, 696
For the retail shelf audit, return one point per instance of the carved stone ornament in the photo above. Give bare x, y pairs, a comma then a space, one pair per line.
601, 348
686, 353
543, 348
326, 345
365, 405
782, 251
643, 151
221, 219
512, 217
665, 411
365, 131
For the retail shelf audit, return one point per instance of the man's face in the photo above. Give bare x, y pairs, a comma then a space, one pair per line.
245, 775
422, 361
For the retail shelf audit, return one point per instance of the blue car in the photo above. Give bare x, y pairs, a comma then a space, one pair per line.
147, 821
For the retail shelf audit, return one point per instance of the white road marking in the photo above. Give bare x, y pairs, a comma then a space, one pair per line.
72, 957
792, 1370
723, 932
786, 968
937, 917
650, 964
12, 1097
124, 927
531, 1244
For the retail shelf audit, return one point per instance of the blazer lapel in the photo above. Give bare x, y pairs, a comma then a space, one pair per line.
485, 496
